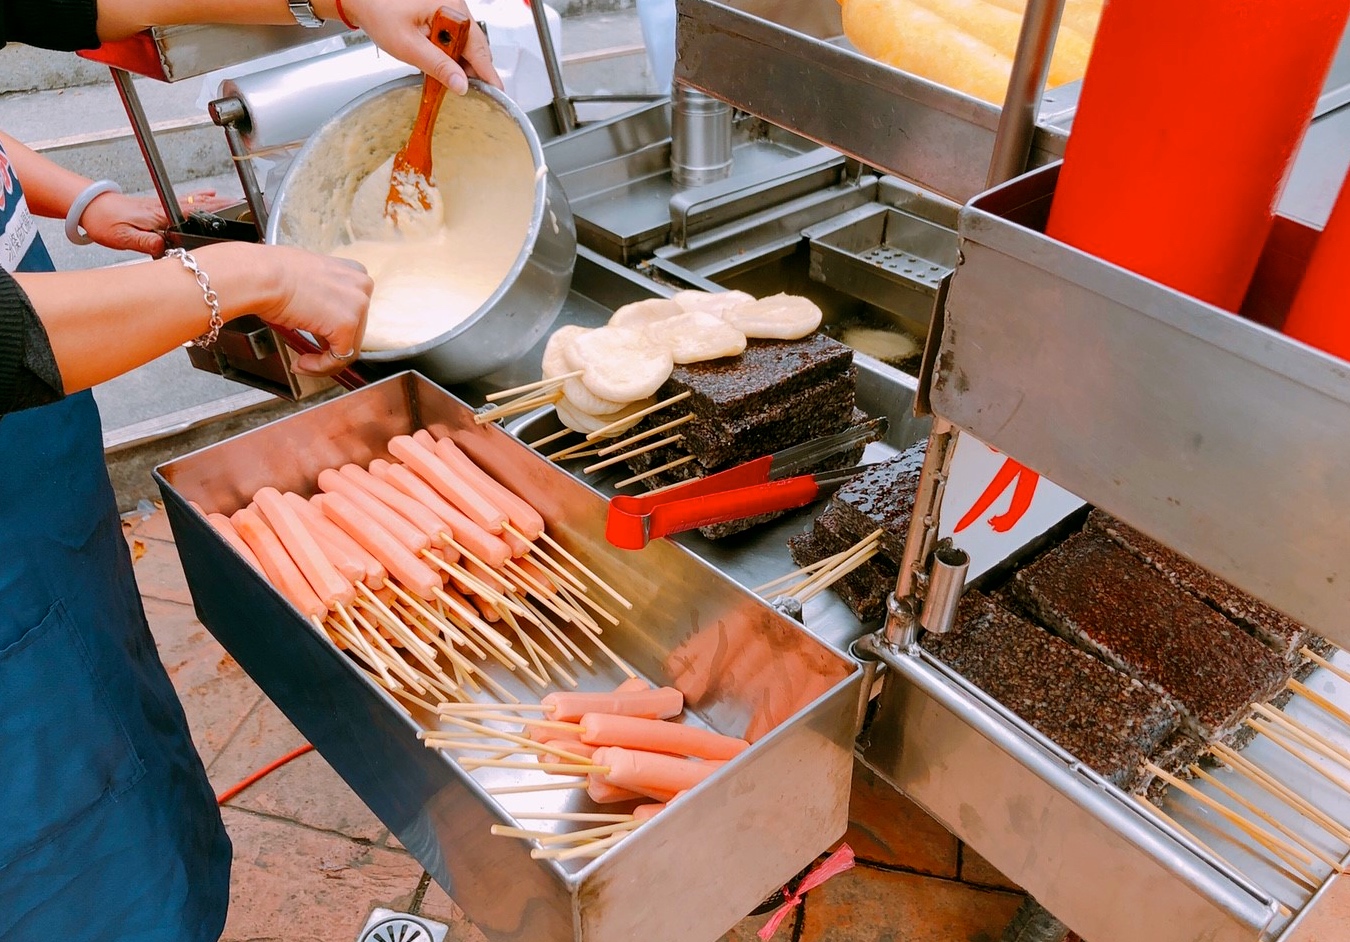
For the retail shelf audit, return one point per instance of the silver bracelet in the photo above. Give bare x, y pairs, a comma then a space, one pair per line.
208, 295
90, 193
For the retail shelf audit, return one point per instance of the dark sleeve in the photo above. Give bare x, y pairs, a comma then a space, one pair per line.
28, 373
52, 24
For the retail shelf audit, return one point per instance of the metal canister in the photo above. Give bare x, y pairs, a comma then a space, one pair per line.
700, 137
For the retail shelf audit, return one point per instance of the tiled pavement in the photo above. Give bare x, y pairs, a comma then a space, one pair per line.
311, 861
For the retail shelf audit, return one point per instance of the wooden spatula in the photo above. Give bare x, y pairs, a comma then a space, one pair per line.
410, 184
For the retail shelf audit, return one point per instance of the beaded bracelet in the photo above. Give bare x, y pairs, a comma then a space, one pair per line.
208, 295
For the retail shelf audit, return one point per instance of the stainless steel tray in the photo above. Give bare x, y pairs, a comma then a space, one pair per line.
1105, 866
685, 877
788, 62
1215, 435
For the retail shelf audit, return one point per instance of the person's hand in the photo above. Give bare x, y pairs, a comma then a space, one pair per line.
326, 296
137, 223
402, 28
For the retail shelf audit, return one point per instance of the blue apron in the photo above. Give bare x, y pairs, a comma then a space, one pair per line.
108, 826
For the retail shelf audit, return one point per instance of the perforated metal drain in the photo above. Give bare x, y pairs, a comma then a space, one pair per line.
907, 264
385, 925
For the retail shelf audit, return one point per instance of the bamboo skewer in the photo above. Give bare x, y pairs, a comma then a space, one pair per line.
544, 383
1288, 744
517, 406
669, 465
589, 834
589, 573
486, 715
489, 733
593, 849
634, 418
599, 609
1320, 701
596, 816
542, 787
1268, 818
550, 439
553, 768
495, 708
582, 449
505, 830
1326, 746
1292, 856
823, 582
854, 557
799, 573
1255, 773
1272, 728
622, 444
1320, 661
496, 752
624, 456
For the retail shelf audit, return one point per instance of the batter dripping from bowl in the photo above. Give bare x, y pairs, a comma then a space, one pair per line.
434, 270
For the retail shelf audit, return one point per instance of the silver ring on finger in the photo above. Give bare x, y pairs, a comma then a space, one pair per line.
342, 357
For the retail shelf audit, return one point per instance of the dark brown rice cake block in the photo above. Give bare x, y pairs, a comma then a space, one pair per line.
1105, 719
1284, 635
883, 496
768, 371
1175, 755
1098, 595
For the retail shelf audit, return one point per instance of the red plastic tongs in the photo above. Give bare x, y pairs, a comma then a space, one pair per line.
757, 487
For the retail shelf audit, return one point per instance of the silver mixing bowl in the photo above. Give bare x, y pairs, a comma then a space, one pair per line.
311, 207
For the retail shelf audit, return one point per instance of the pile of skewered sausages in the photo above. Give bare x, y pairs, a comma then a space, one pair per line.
619, 747
400, 562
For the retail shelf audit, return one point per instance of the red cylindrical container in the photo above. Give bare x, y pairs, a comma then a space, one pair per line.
1320, 314
1186, 128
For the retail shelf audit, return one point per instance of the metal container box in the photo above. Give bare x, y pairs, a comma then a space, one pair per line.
1210, 432
689, 875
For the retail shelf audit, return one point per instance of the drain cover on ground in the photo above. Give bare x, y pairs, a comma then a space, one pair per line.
385, 925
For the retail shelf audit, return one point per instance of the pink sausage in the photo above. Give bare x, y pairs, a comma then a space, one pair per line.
644, 813
406, 568
633, 732
425, 439
322, 575
336, 541
432, 470
518, 546
231, 535
650, 773
413, 539
279, 568
633, 683
490, 549
568, 745
351, 568
659, 704
603, 793
523, 516
420, 516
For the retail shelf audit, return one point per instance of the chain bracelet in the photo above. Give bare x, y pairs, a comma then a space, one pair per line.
208, 295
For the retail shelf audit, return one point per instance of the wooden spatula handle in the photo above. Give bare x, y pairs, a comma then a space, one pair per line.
450, 31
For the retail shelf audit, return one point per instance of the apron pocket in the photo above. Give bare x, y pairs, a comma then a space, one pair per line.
63, 750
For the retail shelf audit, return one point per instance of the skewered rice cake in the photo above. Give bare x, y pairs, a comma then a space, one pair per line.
1098, 595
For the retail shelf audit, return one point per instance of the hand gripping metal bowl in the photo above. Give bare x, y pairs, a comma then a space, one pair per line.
312, 204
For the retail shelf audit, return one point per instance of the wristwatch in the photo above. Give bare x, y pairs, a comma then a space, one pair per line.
303, 11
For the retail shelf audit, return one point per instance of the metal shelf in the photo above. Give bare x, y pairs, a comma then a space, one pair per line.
789, 63
1214, 434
